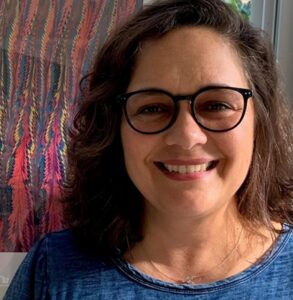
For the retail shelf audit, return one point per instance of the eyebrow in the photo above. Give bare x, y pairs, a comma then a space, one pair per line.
211, 84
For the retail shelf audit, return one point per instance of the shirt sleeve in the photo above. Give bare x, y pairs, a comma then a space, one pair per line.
30, 280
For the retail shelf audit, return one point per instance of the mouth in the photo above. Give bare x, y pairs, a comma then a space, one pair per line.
187, 169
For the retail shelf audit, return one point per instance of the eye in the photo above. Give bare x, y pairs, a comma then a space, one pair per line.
152, 109
220, 102
216, 106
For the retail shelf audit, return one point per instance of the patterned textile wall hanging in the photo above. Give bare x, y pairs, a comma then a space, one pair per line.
46, 47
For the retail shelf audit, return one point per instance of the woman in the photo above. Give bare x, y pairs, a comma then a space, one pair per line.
181, 158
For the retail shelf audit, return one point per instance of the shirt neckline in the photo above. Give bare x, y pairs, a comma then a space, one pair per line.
139, 277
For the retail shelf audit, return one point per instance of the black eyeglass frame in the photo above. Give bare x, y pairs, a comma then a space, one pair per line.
122, 99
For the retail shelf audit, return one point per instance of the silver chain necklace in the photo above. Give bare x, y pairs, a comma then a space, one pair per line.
190, 279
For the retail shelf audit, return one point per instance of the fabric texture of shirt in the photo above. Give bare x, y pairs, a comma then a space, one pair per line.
57, 269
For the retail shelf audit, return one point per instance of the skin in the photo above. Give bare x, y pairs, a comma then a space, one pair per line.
191, 222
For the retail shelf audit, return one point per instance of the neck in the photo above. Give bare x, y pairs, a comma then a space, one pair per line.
197, 234
205, 249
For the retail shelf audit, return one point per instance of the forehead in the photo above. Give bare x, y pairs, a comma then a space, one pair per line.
189, 58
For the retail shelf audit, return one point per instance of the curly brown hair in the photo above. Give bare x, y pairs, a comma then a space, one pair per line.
103, 205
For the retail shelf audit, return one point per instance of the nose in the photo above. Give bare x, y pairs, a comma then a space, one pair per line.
185, 132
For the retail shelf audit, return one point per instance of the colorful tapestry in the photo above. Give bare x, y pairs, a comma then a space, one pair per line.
46, 47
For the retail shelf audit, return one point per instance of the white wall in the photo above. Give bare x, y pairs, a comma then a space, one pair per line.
284, 42
8, 265
275, 17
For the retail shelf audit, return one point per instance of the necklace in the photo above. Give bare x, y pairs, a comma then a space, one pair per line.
190, 279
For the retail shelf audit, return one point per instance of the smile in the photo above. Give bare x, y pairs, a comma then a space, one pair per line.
188, 169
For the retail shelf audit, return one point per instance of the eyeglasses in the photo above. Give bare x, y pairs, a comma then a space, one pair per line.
214, 108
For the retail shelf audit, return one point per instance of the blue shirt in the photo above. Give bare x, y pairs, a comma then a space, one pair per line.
57, 269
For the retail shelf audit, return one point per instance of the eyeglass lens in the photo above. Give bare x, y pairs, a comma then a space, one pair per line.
214, 109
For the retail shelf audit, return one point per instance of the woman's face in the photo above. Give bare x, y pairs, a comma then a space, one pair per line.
182, 62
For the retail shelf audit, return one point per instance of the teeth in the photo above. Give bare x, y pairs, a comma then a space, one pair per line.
182, 169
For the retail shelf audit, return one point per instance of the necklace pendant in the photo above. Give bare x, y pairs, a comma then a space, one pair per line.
189, 279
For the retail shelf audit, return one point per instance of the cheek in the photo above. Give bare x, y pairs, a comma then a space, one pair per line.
135, 162
134, 149
238, 145
128, 145
139, 151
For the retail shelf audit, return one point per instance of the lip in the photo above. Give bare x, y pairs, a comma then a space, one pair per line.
188, 176
182, 162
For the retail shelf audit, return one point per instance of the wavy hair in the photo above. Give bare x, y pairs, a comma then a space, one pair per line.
102, 204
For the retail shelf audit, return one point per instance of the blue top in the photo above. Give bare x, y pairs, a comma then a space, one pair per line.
57, 269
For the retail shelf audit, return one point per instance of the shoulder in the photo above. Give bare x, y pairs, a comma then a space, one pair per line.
60, 243
56, 249
280, 257
67, 259
274, 276
54, 263
285, 248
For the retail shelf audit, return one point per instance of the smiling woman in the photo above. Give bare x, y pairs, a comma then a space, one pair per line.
176, 189
184, 144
